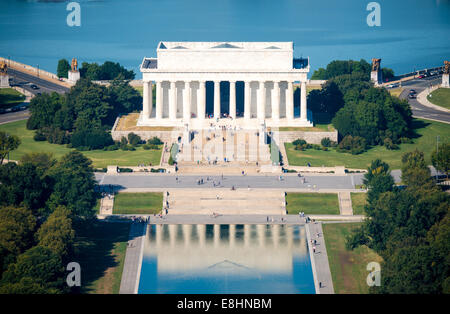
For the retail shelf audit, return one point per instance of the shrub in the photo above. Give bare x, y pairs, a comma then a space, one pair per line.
299, 142
39, 136
155, 141
54, 135
352, 144
125, 170
91, 139
406, 140
171, 161
150, 146
134, 139
326, 142
389, 144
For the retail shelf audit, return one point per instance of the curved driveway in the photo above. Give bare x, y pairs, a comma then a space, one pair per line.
419, 110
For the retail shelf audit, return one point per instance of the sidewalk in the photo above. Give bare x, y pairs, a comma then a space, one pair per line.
319, 259
133, 259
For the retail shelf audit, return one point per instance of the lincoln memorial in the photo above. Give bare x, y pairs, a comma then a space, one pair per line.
240, 84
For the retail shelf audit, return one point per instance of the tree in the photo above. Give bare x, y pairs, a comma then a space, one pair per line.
415, 171
43, 109
441, 158
17, 225
42, 269
378, 180
56, 232
23, 185
42, 161
63, 68
74, 185
8, 143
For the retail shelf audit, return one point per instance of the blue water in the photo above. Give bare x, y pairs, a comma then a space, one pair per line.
270, 260
413, 33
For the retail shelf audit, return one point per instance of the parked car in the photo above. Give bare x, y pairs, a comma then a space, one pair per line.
412, 91
412, 96
395, 85
33, 86
421, 76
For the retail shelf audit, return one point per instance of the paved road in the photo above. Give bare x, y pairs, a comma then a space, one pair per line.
14, 116
24, 80
164, 181
419, 110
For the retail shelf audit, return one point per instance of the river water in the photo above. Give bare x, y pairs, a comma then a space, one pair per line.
413, 33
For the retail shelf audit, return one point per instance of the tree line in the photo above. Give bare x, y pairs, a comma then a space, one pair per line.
42, 200
363, 114
107, 71
408, 226
84, 116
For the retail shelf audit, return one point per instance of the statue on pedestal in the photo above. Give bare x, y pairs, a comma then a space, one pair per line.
376, 65
446, 67
74, 65
4, 77
446, 74
74, 74
376, 74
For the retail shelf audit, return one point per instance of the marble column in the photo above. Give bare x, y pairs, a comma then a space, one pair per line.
187, 101
247, 95
147, 98
290, 102
232, 235
173, 101
216, 99
303, 106
216, 236
159, 101
201, 232
276, 101
232, 110
261, 101
201, 100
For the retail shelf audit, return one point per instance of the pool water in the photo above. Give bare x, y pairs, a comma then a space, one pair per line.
226, 259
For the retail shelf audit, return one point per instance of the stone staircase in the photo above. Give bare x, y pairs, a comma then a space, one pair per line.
226, 202
224, 147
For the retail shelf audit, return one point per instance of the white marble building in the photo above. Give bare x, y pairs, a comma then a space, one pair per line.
245, 84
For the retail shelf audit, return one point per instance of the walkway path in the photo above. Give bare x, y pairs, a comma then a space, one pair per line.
345, 203
319, 259
107, 204
133, 259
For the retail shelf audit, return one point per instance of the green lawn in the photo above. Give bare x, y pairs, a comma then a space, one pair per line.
358, 202
9, 97
425, 141
312, 203
348, 268
440, 97
138, 203
100, 250
100, 158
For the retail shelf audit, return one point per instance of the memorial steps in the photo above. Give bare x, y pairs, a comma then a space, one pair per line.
226, 202
224, 147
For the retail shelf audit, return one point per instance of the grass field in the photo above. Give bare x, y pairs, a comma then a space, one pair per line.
100, 158
100, 251
358, 202
440, 97
138, 203
396, 91
425, 141
9, 97
312, 203
348, 268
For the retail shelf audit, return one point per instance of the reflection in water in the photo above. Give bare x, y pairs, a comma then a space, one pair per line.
226, 259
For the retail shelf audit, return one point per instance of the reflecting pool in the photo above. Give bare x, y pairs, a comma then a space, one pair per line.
226, 259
